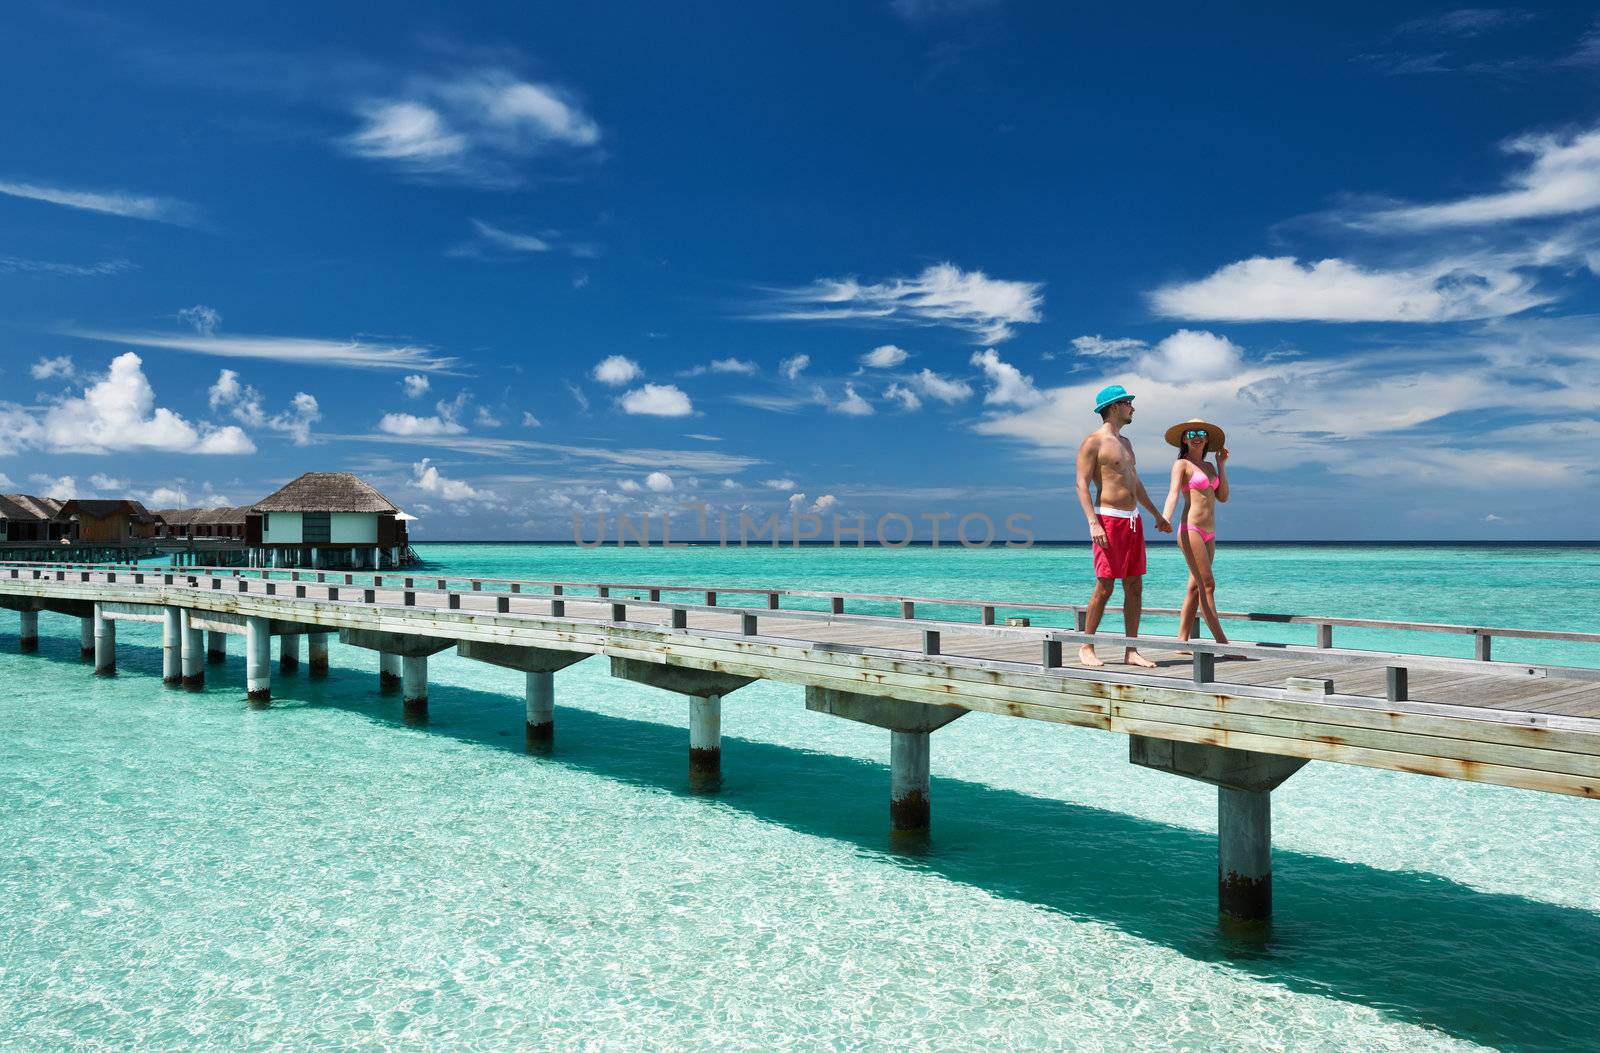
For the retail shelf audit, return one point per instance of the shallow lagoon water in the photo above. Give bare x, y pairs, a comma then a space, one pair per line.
179, 872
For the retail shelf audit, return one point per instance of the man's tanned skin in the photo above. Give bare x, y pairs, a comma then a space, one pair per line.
1106, 464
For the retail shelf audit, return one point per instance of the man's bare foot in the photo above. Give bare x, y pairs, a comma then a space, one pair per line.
1135, 658
1184, 654
1086, 656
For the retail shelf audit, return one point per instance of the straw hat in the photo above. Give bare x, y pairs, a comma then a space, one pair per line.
1215, 436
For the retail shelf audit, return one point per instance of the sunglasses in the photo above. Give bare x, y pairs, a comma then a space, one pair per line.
1196, 433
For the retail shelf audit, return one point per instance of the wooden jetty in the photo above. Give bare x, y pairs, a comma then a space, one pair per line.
1242, 726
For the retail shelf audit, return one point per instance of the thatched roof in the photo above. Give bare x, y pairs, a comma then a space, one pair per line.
326, 492
27, 508
104, 509
190, 517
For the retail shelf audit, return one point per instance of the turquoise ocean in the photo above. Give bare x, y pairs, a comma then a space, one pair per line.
180, 872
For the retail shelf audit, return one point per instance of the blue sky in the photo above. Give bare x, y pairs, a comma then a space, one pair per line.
517, 261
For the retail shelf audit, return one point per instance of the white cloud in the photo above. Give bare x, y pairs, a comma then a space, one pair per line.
409, 424
629, 486
791, 368
63, 489
1335, 290
202, 319
101, 481
578, 396
824, 503
943, 389
5, 481
885, 357
658, 482
943, 294
51, 368
287, 349
409, 132
905, 396
530, 421
1100, 347
487, 419
111, 202
1192, 355
928, 10
616, 370
23, 265
580, 280
510, 240
415, 384
733, 365
777, 484
852, 405
1008, 385
1562, 177
117, 414
657, 400
474, 128
729, 484
243, 403
426, 477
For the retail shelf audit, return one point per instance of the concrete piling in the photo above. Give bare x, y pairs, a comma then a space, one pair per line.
172, 647
541, 699
86, 639
909, 811
1244, 854
705, 742
317, 654
388, 673
28, 631
216, 647
289, 652
414, 687
194, 669
258, 660
105, 644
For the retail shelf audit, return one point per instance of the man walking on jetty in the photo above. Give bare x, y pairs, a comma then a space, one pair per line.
1105, 462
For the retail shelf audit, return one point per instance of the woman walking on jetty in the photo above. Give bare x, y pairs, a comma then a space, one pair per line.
1202, 487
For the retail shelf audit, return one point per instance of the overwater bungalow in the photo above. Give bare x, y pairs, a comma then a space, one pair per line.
327, 519
209, 524
26, 518
115, 522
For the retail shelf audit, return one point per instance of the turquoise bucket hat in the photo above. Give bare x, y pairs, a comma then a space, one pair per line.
1109, 394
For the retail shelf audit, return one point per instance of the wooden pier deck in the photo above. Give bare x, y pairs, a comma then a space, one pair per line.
1242, 717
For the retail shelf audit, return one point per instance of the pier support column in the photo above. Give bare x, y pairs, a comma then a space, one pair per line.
705, 689
1244, 853
705, 743
258, 660
105, 644
1244, 780
317, 655
194, 669
414, 687
908, 782
216, 647
541, 699
539, 666
28, 631
910, 725
171, 647
86, 638
388, 673
288, 652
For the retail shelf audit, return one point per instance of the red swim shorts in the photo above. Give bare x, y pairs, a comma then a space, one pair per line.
1123, 553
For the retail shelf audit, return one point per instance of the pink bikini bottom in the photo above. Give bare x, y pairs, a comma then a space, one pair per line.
1205, 535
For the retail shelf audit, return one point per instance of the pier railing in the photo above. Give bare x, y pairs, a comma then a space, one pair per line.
988, 610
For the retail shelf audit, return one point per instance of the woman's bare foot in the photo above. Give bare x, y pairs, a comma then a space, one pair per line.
1133, 657
1086, 656
1184, 654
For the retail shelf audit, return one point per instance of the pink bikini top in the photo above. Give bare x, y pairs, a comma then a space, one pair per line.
1200, 481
